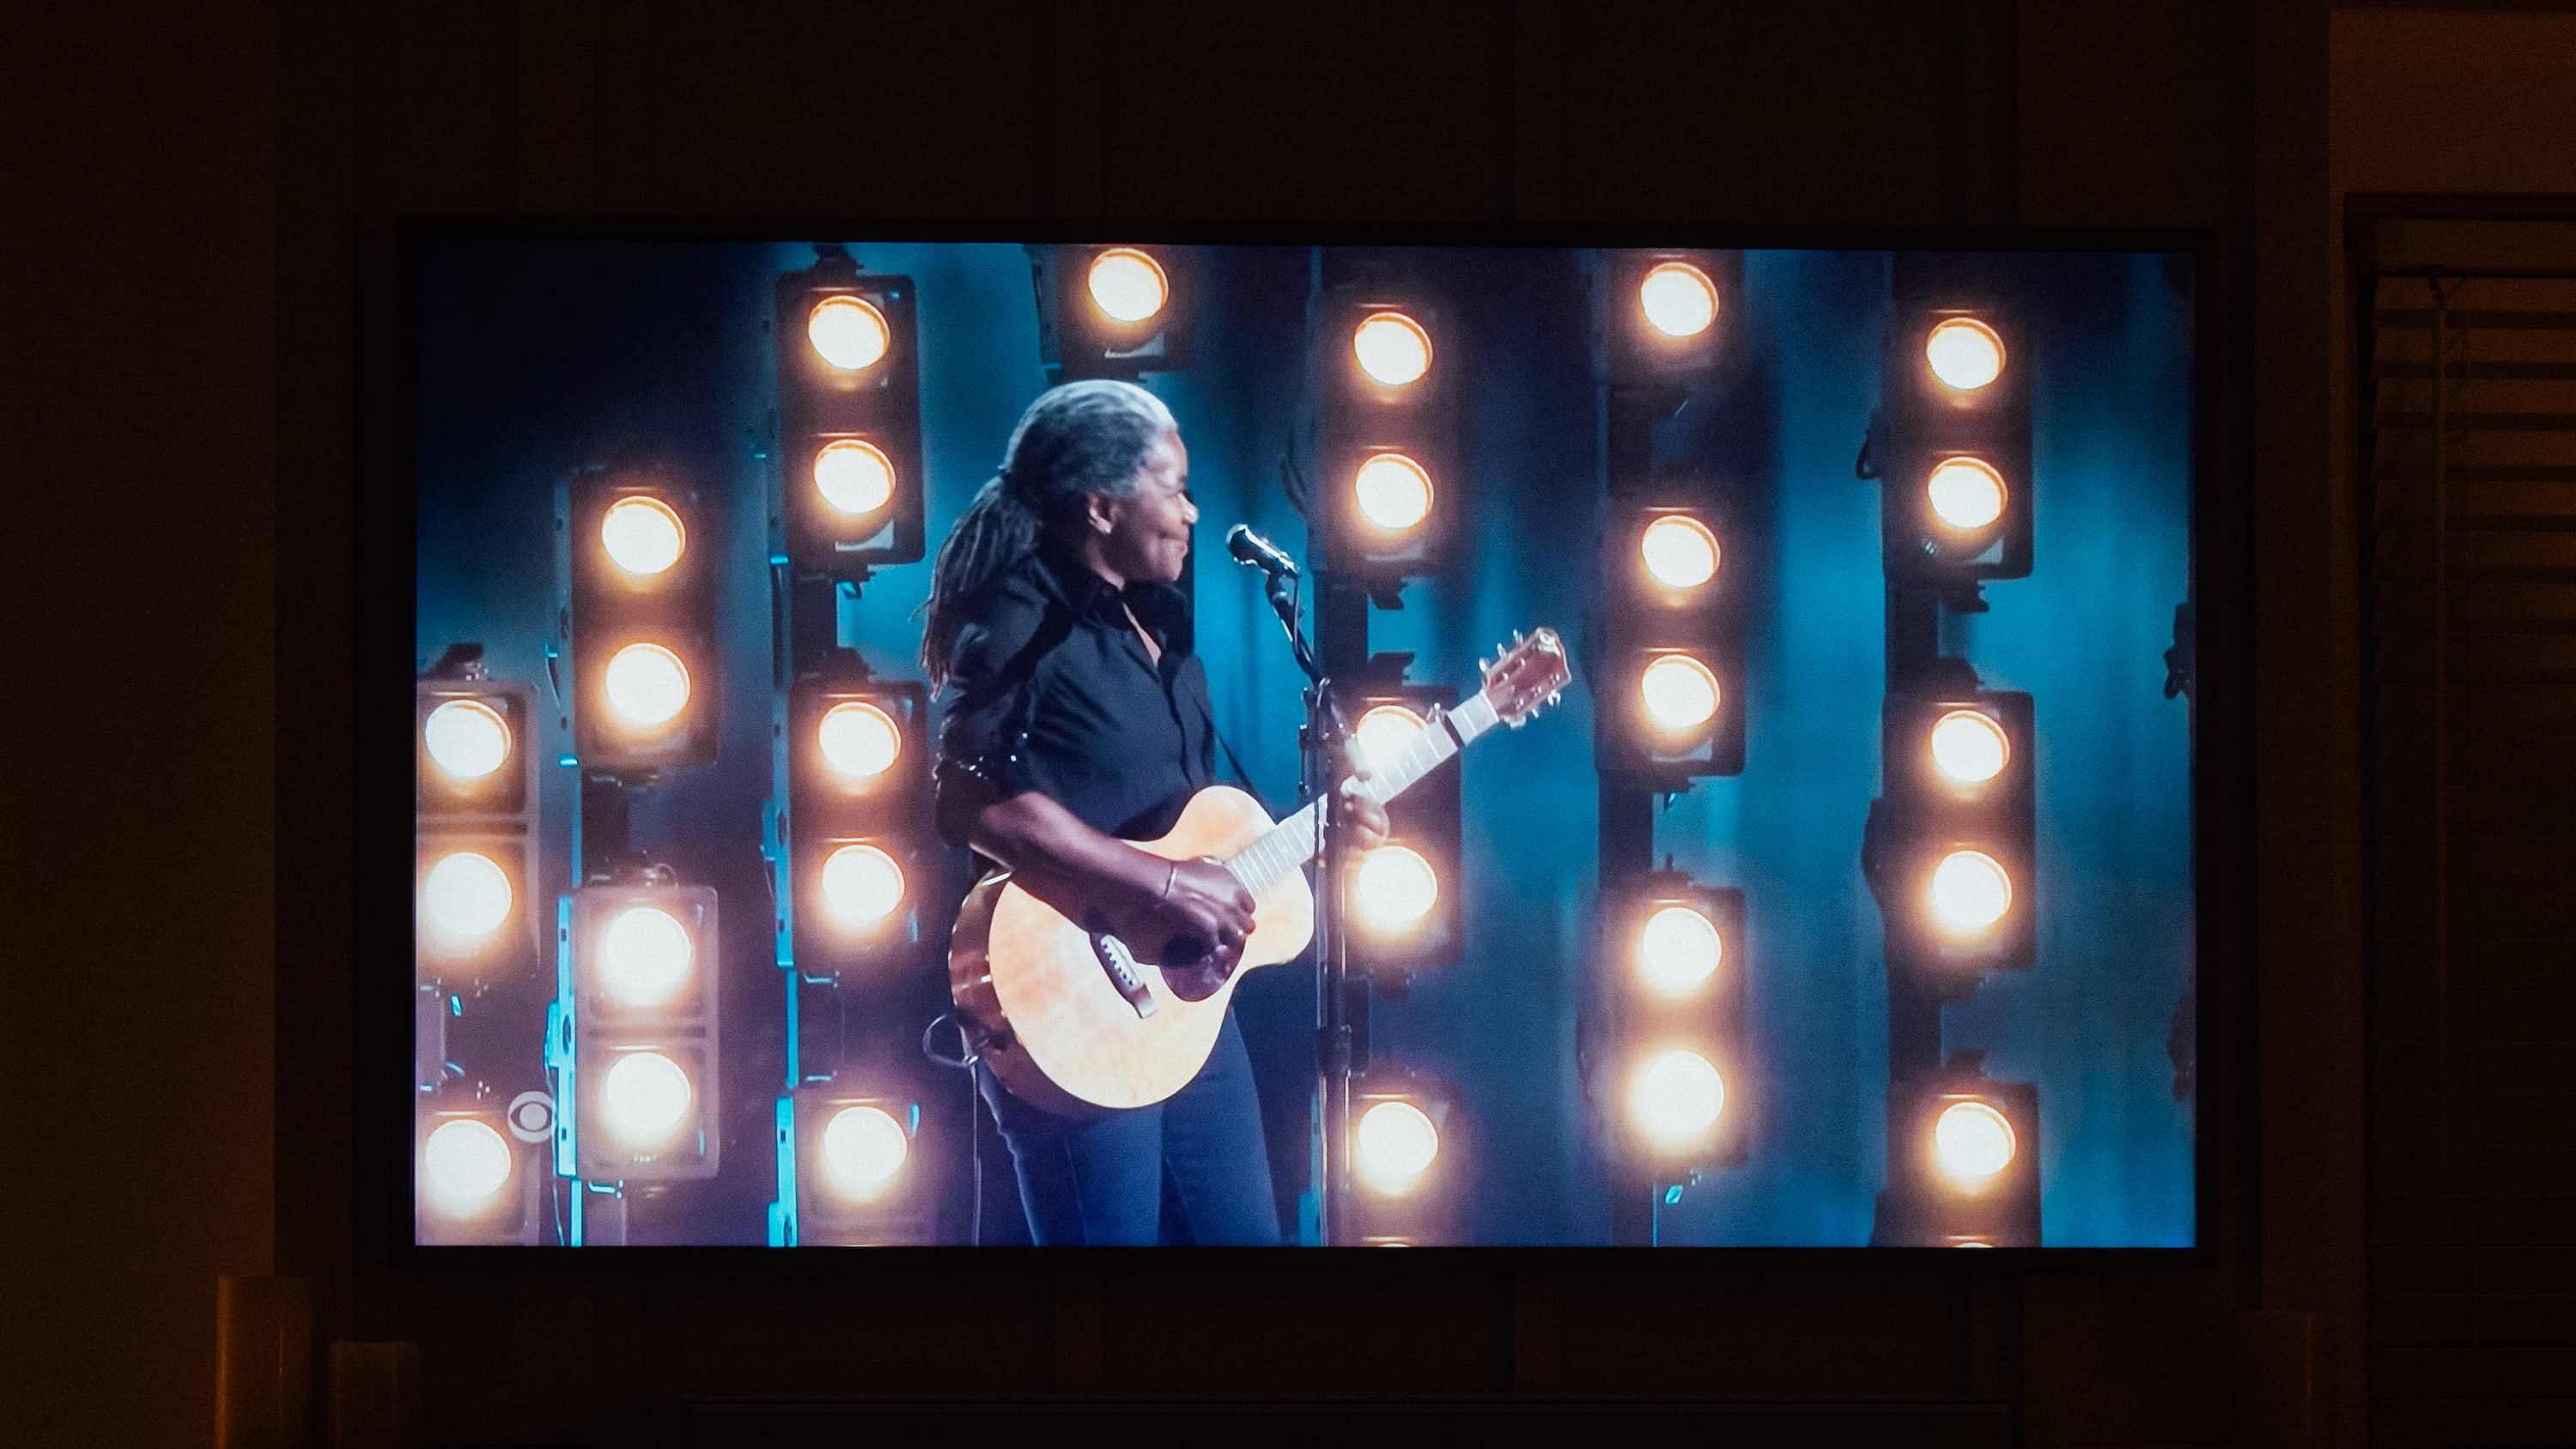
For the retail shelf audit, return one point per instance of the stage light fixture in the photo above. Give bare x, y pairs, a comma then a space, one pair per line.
639, 999
1962, 1160
640, 595
1385, 730
1970, 891
1404, 898
1969, 748
1113, 310
1666, 315
1393, 492
854, 1161
1679, 951
467, 740
1393, 890
1678, 299
475, 906
1388, 459
1680, 694
1391, 348
1675, 1098
643, 535
848, 332
1127, 285
647, 685
1951, 846
1408, 1161
644, 957
857, 794
472, 1184
1972, 1142
1964, 353
1674, 639
1678, 551
473, 761
862, 885
863, 1148
1966, 494
464, 1164
1394, 1145
645, 1100
1672, 952
859, 741
854, 476
1951, 444
849, 417
465, 899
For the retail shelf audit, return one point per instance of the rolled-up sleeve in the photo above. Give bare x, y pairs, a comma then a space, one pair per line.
992, 695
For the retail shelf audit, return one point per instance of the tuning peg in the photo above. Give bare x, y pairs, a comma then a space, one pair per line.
1516, 636
1553, 696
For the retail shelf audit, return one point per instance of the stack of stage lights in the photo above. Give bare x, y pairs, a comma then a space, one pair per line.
858, 782
476, 913
641, 979
1382, 503
1953, 441
1388, 464
849, 416
641, 551
1958, 825
1672, 687
477, 916
631, 1041
1403, 896
1675, 950
855, 869
1112, 311
1665, 1040
1951, 846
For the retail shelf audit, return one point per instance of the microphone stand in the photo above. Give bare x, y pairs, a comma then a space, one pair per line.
1321, 746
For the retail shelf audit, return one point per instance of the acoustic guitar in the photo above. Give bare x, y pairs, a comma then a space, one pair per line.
1081, 1013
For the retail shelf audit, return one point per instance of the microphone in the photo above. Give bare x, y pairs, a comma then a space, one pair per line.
1251, 548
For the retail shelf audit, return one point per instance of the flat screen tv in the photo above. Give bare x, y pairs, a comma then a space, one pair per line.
1151, 736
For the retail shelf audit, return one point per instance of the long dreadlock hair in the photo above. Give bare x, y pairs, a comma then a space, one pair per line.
1079, 438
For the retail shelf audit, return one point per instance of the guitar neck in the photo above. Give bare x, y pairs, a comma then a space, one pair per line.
1288, 845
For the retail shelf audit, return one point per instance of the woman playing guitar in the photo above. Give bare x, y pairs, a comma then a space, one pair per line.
1077, 721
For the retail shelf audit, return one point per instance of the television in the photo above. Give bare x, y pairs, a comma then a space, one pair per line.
1249, 738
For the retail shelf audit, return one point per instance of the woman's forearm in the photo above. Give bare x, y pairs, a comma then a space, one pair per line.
1031, 832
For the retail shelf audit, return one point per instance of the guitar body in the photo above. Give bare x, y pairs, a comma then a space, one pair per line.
1073, 1014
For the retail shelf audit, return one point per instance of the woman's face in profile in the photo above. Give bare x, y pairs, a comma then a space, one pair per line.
1149, 531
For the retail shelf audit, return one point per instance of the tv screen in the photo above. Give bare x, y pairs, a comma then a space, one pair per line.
1133, 741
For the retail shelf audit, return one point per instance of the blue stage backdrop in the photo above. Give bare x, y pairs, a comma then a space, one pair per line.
537, 358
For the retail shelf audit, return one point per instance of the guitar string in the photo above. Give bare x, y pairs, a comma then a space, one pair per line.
1270, 857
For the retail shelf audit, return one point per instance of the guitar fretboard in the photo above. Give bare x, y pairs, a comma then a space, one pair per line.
1292, 842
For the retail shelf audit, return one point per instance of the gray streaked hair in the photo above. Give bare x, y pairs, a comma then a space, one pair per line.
1076, 439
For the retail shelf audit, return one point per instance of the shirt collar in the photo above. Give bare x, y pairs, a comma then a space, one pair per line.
1070, 581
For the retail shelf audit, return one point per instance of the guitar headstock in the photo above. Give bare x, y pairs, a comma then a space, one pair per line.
1527, 677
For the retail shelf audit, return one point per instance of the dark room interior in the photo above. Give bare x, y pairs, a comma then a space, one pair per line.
211, 298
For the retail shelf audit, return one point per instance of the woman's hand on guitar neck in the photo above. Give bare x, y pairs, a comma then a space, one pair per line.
1362, 812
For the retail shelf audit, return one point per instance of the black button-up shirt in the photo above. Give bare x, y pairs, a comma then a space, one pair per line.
1050, 689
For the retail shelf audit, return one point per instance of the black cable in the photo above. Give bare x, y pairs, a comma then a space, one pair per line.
965, 1060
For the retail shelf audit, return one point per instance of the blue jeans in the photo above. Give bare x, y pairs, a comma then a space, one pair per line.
1101, 1182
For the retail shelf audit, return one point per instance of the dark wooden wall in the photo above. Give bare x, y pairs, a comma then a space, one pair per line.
219, 184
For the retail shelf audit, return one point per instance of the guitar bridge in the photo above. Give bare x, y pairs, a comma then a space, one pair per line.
1120, 965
